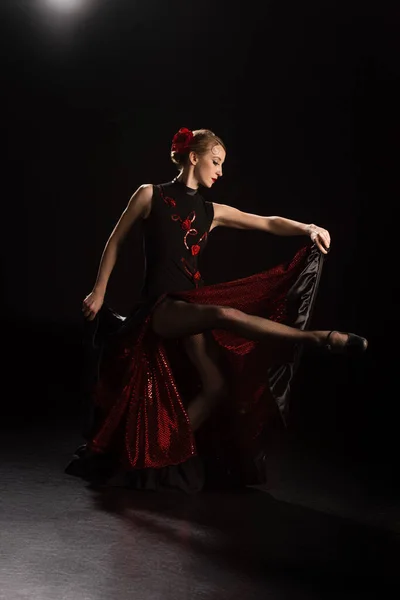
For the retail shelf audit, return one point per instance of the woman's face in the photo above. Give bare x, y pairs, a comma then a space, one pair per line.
208, 166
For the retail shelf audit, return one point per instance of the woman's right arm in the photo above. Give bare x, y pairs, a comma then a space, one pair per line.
139, 207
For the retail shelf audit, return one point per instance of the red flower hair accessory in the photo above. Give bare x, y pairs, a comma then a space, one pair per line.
181, 140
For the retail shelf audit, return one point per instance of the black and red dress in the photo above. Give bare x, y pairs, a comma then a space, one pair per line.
139, 434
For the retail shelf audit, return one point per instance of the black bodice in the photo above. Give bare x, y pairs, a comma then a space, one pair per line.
175, 234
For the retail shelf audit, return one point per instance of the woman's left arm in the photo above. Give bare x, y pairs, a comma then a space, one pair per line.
228, 216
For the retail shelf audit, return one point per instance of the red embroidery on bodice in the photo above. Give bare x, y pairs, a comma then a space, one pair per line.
186, 225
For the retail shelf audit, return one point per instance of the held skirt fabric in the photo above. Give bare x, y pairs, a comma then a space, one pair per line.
138, 433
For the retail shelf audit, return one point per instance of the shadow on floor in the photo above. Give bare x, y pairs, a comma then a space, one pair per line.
261, 537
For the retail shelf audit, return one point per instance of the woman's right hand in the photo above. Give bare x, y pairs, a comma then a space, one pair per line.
92, 304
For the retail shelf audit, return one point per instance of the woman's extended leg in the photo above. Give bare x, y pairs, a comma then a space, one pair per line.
177, 318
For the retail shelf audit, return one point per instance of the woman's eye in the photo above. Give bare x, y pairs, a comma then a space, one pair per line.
215, 163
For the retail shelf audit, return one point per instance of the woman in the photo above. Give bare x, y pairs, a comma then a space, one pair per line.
197, 370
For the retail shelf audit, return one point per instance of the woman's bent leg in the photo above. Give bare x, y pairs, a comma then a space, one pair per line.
203, 353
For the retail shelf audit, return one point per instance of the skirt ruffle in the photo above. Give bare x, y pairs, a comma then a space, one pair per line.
138, 433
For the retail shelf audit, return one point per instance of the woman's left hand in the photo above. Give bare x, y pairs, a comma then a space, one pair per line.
320, 237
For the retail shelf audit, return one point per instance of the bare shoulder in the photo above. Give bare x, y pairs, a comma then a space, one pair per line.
142, 199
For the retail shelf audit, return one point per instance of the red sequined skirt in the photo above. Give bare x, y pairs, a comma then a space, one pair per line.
140, 435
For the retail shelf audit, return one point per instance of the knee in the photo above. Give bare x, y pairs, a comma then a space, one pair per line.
161, 321
225, 315
157, 324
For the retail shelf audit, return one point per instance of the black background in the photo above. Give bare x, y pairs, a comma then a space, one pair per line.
305, 96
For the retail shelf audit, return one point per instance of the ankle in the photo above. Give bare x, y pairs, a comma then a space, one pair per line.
318, 338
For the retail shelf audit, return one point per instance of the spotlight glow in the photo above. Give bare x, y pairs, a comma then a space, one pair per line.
65, 6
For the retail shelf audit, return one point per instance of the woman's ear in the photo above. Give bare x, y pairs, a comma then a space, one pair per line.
193, 157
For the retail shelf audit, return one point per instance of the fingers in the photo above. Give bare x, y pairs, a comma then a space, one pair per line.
321, 247
326, 238
88, 312
318, 240
89, 316
322, 238
324, 246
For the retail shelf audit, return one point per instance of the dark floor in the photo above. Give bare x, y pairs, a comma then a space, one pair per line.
318, 529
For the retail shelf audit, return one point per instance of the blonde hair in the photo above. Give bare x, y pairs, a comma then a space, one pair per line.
202, 141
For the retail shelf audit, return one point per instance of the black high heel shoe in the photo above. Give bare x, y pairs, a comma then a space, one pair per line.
354, 345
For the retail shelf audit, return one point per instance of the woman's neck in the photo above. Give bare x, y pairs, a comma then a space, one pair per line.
188, 180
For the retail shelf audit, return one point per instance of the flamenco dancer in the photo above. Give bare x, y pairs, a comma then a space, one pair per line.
188, 384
